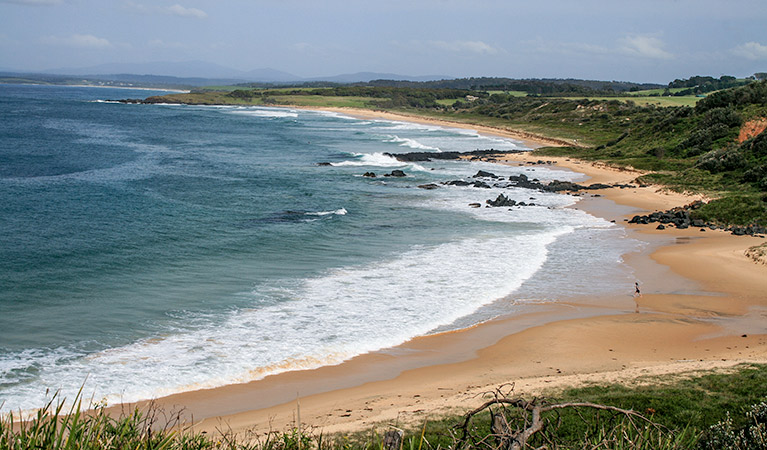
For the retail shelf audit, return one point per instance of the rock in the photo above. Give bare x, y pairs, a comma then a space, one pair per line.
502, 200
369, 174
395, 173
483, 174
429, 186
475, 205
660, 227
598, 186
557, 186
324, 164
524, 182
456, 183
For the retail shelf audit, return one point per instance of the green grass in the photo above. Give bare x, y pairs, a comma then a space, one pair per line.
686, 100
326, 101
448, 101
512, 93
681, 409
658, 91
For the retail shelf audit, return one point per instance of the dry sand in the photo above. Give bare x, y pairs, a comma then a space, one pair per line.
703, 308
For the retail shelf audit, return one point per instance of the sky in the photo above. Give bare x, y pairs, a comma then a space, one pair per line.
638, 40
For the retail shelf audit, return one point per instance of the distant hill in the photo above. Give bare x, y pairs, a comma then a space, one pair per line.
187, 69
366, 77
116, 80
197, 70
544, 86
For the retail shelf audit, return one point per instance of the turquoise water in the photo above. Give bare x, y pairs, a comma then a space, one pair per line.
151, 249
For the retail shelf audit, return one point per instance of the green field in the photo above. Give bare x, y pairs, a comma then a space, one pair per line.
687, 100
512, 93
320, 101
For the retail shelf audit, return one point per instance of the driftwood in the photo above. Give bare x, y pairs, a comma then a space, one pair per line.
393, 439
510, 411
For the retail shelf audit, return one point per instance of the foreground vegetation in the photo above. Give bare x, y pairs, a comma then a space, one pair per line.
713, 411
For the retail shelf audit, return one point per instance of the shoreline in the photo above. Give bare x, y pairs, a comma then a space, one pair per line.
532, 140
683, 329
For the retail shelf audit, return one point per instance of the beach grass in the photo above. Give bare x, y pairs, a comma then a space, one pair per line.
680, 412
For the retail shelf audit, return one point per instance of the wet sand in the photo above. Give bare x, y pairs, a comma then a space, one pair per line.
703, 307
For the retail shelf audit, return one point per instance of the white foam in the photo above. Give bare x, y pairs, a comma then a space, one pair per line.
338, 212
308, 323
377, 160
412, 143
333, 114
266, 112
396, 125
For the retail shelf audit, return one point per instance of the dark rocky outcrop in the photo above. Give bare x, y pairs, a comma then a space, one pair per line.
324, 164
501, 200
483, 174
558, 186
395, 173
429, 186
681, 218
457, 183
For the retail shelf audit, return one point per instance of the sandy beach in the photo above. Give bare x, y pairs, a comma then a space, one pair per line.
703, 307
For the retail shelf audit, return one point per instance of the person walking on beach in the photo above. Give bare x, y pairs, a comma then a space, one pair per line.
637, 294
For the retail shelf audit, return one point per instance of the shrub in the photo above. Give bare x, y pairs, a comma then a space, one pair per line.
756, 146
755, 173
722, 160
724, 436
724, 116
697, 143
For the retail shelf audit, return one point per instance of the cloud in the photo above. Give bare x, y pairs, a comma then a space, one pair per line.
303, 46
645, 47
577, 49
751, 50
159, 43
174, 10
33, 2
78, 41
178, 10
477, 47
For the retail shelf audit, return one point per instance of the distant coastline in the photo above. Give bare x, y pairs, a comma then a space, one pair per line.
136, 88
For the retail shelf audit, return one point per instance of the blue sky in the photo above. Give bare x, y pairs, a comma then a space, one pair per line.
647, 40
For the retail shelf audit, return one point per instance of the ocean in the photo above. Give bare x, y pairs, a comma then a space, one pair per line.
152, 249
